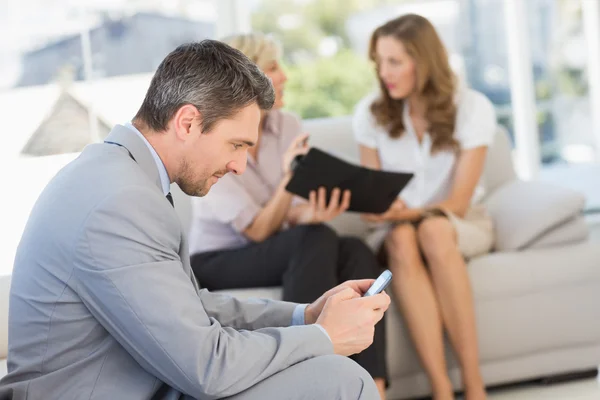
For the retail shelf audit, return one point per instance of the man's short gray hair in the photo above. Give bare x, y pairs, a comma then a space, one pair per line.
210, 75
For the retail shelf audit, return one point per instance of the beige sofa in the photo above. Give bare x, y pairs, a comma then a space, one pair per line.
537, 300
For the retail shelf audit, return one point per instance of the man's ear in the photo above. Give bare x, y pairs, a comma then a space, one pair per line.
185, 119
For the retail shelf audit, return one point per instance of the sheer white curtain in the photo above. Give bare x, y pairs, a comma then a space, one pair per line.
527, 145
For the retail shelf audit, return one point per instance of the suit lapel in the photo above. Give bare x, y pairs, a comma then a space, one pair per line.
184, 255
138, 149
140, 152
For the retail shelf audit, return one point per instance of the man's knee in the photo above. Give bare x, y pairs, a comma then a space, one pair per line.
362, 257
317, 236
355, 245
345, 376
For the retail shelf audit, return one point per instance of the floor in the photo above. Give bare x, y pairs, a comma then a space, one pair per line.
576, 389
587, 389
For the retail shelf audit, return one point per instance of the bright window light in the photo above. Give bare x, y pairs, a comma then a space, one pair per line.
289, 21
328, 47
578, 153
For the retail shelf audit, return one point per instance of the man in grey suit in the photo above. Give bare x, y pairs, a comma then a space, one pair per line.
103, 303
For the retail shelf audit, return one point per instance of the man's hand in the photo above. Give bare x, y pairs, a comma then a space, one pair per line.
392, 214
316, 211
350, 319
312, 312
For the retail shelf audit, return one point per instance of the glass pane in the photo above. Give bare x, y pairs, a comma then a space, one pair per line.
559, 56
484, 53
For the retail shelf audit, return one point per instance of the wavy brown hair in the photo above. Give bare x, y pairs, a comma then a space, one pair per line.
435, 80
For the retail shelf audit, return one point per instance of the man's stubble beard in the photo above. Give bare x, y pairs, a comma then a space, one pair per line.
186, 182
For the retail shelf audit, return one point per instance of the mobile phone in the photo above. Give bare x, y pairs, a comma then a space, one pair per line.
380, 283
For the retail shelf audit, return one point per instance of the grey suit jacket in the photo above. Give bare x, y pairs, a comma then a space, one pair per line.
104, 304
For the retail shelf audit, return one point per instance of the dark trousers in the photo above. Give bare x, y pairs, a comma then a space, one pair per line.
307, 260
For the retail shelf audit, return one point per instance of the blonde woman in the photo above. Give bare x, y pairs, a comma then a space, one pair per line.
421, 121
251, 233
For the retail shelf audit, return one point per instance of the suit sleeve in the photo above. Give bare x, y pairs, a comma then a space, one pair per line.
248, 314
129, 275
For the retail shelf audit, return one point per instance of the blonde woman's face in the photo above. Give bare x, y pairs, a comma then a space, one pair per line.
396, 68
274, 71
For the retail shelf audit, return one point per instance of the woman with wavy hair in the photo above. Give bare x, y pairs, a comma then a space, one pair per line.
421, 121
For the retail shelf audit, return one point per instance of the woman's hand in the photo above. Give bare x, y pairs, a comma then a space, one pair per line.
317, 211
299, 146
392, 214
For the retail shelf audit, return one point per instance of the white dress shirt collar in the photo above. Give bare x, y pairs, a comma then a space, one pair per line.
162, 171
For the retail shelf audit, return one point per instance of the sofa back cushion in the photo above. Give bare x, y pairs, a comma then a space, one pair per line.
499, 167
333, 135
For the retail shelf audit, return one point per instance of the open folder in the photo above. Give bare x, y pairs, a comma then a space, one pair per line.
372, 191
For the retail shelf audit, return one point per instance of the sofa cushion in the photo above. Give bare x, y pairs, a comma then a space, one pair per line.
524, 211
572, 231
498, 169
333, 135
504, 275
350, 224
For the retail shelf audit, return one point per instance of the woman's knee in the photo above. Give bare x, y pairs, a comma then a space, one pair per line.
437, 237
402, 247
359, 260
354, 243
319, 233
318, 239
320, 230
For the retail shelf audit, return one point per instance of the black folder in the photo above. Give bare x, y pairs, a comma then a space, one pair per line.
373, 191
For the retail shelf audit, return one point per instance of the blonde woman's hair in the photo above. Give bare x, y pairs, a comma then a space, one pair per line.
260, 48
435, 80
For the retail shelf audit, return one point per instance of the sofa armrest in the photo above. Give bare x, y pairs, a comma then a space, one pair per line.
525, 211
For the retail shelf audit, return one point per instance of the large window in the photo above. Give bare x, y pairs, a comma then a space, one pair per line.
559, 59
325, 45
69, 71
326, 41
